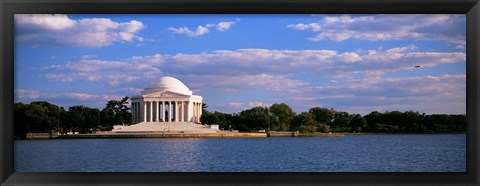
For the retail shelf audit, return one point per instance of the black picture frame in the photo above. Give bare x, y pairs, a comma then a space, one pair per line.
471, 8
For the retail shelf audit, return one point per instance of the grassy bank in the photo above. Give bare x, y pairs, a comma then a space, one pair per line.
317, 134
337, 134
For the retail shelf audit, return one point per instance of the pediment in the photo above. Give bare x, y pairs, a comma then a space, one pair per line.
167, 94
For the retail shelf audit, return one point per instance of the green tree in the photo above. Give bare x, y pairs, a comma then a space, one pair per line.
282, 115
393, 118
106, 119
118, 111
209, 118
358, 123
373, 119
42, 116
93, 118
255, 118
305, 122
459, 123
204, 107
77, 120
411, 121
323, 128
341, 122
323, 115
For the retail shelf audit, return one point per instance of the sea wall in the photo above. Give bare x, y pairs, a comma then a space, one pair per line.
42, 135
167, 135
283, 134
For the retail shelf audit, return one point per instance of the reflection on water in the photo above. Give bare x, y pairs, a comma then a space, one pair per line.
351, 153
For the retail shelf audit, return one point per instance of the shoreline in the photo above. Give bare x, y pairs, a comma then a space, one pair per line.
34, 136
366, 133
164, 135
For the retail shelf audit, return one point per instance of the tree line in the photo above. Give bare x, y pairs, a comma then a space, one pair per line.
43, 117
280, 117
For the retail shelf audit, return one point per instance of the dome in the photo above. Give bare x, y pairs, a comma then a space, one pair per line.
167, 84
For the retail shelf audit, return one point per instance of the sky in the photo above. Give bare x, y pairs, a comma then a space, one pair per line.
354, 63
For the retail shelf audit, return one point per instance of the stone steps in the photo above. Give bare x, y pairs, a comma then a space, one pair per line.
153, 127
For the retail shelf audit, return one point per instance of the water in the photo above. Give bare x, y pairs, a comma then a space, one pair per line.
351, 153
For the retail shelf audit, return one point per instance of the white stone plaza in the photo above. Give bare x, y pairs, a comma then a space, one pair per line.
166, 105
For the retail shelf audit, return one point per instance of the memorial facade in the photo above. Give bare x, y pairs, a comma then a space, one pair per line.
166, 100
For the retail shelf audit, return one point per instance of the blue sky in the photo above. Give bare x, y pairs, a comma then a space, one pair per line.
352, 63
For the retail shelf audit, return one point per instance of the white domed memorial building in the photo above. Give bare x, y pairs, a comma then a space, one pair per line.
166, 105
166, 100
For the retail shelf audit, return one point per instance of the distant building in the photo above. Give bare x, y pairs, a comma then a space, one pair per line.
165, 101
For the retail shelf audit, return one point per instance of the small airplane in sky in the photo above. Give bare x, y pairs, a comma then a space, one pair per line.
417, 66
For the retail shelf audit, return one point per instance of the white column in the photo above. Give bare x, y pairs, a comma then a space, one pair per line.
144, 111
176, 112
195, 112
169, 111
173, 110
150, 111
179, 105
163, 111
156, 110
174, 105
182, 113
198, 113
189, 111
183, 110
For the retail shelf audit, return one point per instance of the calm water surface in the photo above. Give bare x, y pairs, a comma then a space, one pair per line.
351, 153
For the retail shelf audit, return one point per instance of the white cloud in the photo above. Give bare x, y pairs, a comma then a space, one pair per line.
87, 56
357, 79
239, 106
45, 21
311, 26
202, 29
432, 94
30, 94
65, 99
223, 26
327, 62
73, 77
232, 83
47, 29
235, 70
387, 27
81, 96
